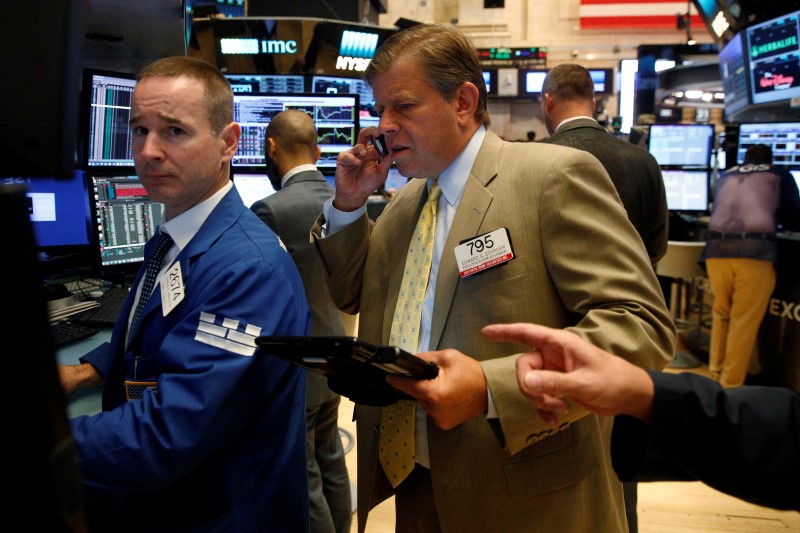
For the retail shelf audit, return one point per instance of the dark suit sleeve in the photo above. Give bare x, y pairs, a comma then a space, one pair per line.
743, 441
264, 211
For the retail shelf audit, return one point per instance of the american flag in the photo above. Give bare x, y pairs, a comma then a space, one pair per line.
634, 14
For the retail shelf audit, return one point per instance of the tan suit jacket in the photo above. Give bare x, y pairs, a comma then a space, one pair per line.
579, 264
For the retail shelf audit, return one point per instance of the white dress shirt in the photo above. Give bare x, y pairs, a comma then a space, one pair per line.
452, 182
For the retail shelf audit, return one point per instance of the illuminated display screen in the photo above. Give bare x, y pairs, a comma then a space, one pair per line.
733, 74
530, 82
681, 144
782, 137
687, 190
774, 54
336, 117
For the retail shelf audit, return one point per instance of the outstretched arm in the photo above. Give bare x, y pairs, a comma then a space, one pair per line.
561, 364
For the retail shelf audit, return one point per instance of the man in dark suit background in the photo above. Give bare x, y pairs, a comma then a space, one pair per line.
291, 151
568, 107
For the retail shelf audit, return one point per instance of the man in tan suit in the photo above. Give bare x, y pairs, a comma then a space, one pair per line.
485, 460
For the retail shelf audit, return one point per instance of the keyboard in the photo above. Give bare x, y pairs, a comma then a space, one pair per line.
66, 332
104, 316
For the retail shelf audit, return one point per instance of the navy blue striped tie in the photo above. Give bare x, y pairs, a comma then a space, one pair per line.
159, 249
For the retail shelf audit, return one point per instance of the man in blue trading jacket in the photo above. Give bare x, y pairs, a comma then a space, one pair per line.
198, 431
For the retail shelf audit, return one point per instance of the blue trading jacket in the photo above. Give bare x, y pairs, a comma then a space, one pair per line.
220, 442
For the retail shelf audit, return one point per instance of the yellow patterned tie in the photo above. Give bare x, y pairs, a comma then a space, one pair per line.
397, 420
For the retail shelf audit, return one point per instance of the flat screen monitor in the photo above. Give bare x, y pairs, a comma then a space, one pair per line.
733, 71
796, 175
125, 218
106, 106
337, 84
267, 83
774, 58
253, 187
687, 190
490, 79
681, 145
59, 212
782, 137
603, 79
335, 115
530, 83
394, 180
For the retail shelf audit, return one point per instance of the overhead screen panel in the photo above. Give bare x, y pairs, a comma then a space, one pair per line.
733, 69
774, 54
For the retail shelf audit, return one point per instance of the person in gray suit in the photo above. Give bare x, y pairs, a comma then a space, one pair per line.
291, 151
568, 107
517, 238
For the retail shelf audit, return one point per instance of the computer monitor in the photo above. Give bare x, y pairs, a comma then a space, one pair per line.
796, 175
394, 180
253, 187
782, 137
687, 190
681, 145
336, 117
125, 218
733, 72
603, 79
61, 218
530, 83
106, 109
337, 84
267, 83
774, 58
490, 79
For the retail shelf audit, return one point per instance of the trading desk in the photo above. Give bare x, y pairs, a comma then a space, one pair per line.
85, 401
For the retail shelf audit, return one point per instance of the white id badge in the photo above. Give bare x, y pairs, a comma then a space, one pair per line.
172, 289
484, 251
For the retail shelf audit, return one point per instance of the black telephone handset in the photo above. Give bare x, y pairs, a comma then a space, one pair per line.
379, 143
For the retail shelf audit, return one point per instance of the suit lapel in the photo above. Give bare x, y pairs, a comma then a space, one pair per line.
475, 202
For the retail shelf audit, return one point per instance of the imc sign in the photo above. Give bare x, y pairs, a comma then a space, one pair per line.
256, 46
356, 50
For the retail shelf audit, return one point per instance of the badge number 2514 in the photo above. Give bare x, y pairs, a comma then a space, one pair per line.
484, 251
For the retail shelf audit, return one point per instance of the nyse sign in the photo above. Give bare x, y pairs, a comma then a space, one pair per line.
784, 309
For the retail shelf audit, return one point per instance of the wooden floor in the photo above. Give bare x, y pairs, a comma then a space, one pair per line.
663, 507
682, 507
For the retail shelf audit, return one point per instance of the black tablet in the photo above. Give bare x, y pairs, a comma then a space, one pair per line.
346, 355
354, 368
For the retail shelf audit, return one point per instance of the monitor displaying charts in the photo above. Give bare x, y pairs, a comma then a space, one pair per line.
336, 117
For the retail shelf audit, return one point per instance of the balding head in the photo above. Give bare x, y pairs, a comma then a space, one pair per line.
289, 141
567, 91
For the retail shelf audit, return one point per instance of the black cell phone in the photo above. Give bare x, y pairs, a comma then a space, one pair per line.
379, 143
332, 355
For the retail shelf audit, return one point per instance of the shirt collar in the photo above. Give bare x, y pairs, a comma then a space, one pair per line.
454, 178
570, 119
297, 170
186, 225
